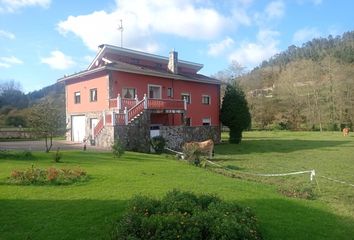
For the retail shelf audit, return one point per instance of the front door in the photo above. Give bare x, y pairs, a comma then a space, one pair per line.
154, 91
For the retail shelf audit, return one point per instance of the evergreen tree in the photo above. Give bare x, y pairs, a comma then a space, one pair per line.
235, 112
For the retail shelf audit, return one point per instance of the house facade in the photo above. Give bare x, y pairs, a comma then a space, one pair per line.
132, 96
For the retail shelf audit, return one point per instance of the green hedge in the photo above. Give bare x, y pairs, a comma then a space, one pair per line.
183, 215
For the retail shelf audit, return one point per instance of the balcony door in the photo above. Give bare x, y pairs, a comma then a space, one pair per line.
154, 91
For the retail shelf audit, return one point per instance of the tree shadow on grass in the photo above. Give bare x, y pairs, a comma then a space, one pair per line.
58, 219
275, 146
287, 219
93, 219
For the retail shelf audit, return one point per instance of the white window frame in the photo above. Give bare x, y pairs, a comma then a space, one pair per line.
77, 94
171, 93
208, 120
187, 94
133, 96
206, 96
153, 85
91, 91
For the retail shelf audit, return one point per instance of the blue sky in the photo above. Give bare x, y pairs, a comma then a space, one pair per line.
41, 40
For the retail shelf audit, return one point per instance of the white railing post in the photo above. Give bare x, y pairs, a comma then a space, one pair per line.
104, 118
136, 99
119, 102
126, 115
145, 102
185, 103
113, 119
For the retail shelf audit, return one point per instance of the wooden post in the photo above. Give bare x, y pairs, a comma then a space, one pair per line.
145, 101
126, 115
136, 99
113, 119
104, 118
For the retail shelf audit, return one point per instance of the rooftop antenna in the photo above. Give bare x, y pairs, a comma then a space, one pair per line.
120, 28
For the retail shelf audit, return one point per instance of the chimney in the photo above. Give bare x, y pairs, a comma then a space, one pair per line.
173, 62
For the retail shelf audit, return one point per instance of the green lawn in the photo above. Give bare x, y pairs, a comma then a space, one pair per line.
87, 210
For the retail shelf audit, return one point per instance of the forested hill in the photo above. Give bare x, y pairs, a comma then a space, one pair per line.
15, 105
307, 87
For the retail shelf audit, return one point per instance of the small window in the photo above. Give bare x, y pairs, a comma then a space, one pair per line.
93, 95
206, 99
77, 97
169, 92
129, 93
206, 122
186, 96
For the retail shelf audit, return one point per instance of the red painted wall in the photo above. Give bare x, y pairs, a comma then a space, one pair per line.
196, 110
99, 81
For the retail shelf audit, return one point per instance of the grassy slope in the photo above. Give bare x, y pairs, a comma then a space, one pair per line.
85, 211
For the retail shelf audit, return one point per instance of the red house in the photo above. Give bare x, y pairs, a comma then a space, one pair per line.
132, 96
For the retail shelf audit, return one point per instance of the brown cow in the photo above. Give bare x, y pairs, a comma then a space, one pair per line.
345, 131
204, 147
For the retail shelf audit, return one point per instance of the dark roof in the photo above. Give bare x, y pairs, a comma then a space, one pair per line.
130, 68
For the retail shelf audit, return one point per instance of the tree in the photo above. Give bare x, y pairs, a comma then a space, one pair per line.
234, 112
47, 121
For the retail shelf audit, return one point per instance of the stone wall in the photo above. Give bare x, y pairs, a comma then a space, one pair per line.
106, 137
136, 135
176, 136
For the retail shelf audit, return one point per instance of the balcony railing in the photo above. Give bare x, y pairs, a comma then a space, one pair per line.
133, 108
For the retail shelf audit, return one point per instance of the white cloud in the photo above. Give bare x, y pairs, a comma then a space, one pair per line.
305, 34
141, 24
275, 9
250, 54
58, 60
314, 2
215, 49
14, 5
7, 62
6, 34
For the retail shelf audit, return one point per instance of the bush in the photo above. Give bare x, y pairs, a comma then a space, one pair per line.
158, 143
57, 155
184, 215
118, 149
37, 176
14, 155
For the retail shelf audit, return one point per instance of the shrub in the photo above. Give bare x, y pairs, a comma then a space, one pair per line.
158, 143
37, 176
184, 215
118, 148
57, 155
193, 155
15, 155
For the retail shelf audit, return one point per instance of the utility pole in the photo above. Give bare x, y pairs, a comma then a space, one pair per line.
120, 28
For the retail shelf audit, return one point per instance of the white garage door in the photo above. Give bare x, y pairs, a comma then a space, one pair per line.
78, 128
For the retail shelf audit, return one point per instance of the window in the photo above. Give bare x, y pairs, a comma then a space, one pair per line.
206, 99
206, 121
186, 96
77, 97
129, 93
93, 95
154, 91
169, 92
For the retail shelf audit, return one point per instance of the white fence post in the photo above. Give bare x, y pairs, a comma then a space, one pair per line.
119, 102
126, 115
113, 119
104, 118
136, 99
145, 102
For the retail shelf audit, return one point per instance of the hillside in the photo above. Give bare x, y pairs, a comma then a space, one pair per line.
309, 87
15, 105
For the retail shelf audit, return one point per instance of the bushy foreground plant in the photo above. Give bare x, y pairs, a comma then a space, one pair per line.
38, 176
118, 148
158, 143
183, 215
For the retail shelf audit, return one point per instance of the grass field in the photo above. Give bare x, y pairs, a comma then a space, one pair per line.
87, 210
